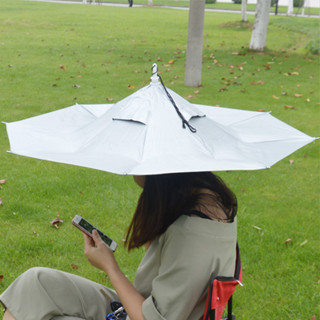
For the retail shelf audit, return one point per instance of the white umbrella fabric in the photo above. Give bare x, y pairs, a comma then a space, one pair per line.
143, 134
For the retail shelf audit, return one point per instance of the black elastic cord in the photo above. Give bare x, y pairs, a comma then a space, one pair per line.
184, 121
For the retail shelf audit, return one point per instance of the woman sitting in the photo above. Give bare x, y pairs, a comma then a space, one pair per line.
187, 223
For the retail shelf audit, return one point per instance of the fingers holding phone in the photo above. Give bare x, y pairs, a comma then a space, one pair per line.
88, 240
97, 252
98, 247
92, 240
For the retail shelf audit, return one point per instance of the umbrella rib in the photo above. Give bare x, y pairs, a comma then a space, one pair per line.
87, 110
184, 121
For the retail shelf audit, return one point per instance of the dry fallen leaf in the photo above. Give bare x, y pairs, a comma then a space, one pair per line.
76, 85
267, 66
289, 107
258, 82
298, 95
291, 161
63, 67
55, 222
74, 266
288, 240
2, 181
0, 201
257, 228
110, 99
1, 277
130, 86
171, 61
275, 97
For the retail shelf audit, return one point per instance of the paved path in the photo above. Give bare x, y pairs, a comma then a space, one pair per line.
113, 4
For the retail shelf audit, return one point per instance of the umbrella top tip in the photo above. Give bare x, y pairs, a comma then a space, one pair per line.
154, 77
154, 68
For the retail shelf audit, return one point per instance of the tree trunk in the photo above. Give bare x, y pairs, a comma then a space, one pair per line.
150, 3
276, 7
244, 10
290, 7
260, 27
194, 44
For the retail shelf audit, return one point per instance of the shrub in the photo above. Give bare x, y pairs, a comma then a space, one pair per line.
313, 45
236, 1
211, 1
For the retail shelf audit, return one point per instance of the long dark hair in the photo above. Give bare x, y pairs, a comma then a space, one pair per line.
166, 197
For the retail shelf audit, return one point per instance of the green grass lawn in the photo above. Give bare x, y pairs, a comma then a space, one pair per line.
46, 49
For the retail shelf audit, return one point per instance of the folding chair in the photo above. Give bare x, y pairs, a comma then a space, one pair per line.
220, 292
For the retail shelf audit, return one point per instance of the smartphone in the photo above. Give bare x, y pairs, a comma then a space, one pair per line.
87, 228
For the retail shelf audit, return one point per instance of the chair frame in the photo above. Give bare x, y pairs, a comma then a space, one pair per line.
211, 306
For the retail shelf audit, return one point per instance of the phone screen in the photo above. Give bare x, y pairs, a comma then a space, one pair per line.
89, 227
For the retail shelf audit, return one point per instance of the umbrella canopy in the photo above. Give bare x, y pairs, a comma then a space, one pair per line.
143, 134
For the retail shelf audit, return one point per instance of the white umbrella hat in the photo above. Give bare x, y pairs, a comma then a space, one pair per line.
155, 131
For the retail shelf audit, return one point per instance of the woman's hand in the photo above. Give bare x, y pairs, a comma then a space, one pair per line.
101, 256
98, 253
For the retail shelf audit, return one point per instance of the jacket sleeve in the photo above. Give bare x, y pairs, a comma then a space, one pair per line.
183, 276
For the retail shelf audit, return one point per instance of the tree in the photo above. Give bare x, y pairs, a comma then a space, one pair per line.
290, 8
194, 43
303, 7
244, 10
276, 5
260, 26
